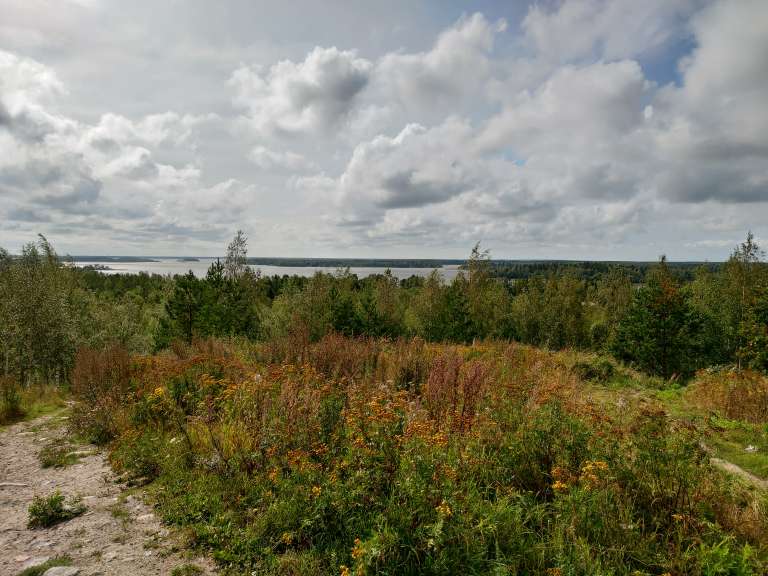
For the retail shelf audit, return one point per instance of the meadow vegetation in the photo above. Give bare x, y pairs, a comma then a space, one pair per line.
557, 424
47, 511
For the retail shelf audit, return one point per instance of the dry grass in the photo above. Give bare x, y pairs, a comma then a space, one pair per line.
739, 395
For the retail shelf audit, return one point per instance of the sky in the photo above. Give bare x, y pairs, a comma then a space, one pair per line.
575, 129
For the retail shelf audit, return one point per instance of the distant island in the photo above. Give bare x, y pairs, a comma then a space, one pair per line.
189, 259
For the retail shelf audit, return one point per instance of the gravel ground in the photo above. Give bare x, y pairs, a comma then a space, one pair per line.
117, 535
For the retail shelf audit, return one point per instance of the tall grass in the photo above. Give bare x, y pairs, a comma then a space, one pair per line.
741, 395
361, 456
26, 402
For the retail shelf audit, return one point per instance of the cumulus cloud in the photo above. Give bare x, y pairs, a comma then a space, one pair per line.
332, 87
554, 130
594, 150
457, 65
574, 30
56, 169
268, 159
293, 98
576, 108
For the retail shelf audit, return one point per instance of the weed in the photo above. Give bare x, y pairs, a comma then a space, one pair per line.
360, 456
41, 569
53, 509
186, 570
59, 454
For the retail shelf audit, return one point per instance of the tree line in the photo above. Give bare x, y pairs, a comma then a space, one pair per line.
670, 324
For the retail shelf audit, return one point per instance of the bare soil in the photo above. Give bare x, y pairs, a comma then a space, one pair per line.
118, 534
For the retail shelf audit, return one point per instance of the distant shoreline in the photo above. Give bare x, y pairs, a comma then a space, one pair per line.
375, 262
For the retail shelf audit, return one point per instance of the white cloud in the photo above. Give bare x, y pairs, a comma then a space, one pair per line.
293, 98
56, 169
268, 159
609, 29
457, 65
548, 132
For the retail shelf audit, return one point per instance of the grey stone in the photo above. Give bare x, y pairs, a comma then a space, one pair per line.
62, 571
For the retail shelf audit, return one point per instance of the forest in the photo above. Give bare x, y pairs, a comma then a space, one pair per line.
525, 418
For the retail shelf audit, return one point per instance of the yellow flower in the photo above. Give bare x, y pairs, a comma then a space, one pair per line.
345, 571
559, 486
357, 551
287, 538
554, 572
444, 510
316, 490
592, 473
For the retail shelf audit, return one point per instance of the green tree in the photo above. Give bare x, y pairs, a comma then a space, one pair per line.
38, 329
184, 318
662, 332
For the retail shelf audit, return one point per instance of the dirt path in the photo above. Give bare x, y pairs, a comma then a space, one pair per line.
739, 471
118, 534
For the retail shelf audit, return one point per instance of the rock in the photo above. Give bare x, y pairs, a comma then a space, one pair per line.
109, 556
750, 448
13, 485
62, 571
21, 558
80, 453
36, 561
146, 518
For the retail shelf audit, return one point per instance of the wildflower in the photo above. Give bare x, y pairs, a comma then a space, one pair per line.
592, 473
359, 442
559, 486
345, 571
357, 551
273, 474
316, 491
287, 538
444, 510
554, 572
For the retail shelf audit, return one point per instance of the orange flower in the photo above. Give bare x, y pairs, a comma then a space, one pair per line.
357, 551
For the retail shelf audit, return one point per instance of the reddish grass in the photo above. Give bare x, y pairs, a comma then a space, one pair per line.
741, 395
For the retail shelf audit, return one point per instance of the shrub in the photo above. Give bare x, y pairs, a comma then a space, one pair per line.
599, 370
741, 395
474, 460
53, 509
100, 379
187, 570
10, 400
41, 569
58, 454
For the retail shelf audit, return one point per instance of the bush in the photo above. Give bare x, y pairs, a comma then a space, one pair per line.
10, 400
599, 370
41, 569
187, 570
58, 454
741, 395
53, 509
99, 380
363, 457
